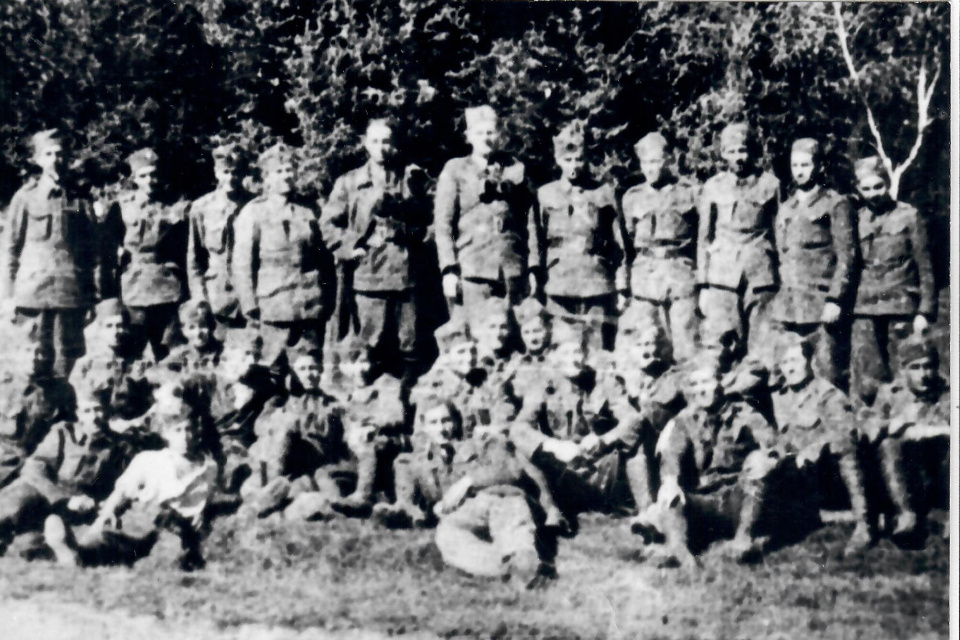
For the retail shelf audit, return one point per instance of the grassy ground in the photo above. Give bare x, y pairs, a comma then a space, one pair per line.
349, 579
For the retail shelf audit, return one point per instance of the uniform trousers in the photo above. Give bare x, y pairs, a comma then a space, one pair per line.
476, 291
280, 337
830, 357
575, 316
22, 509
386, 319
155, 325
743, 311
61, 330
875, 341
667, 294
491, 534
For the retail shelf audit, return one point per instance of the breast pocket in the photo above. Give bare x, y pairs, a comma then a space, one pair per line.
215, 237
815, 232
892, 244
39, 227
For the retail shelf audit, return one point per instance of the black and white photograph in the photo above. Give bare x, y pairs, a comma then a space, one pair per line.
548, 320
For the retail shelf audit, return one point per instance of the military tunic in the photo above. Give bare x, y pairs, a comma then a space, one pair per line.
896, 283
210, 252
815, 415
662, 226
736, 258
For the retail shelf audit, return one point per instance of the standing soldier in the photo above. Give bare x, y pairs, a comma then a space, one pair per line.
50, 257
816, 246
152, 241
736, 259
374, 219
896, 284
576, 242
210, 248
277, 262
661, 219
480, 212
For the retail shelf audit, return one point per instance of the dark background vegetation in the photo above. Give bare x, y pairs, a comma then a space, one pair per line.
121, 74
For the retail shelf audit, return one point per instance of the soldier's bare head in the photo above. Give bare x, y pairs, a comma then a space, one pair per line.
534, 326
920, 364
357, 363
378, 140
703, 383
241, 353
307, 369
224, 161
654, 154
278, 169
197, 321
442, 422
651, 348
796, 360
483, 131
46, 152
91, 411
569, 150
736, 148
805, 162
571, 357
143, 171
110, 325
872, 181
495, 327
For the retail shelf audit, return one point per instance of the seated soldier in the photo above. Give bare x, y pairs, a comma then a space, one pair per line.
458, 374
201, 353
243, 388
815, 422
536, 336
32, 400
497, 339
164, 489
909, 425
568, 428
111, 366
743, 376
482, 493
73, 469
717, 471
299, 449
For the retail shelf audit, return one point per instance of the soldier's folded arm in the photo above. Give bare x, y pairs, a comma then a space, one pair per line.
445, 210
246, 255
195, 256
13, 245
705, 215
843, 231
921, 254
536, 258
340, 239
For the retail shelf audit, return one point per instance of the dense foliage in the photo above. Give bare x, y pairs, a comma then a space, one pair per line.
119, 74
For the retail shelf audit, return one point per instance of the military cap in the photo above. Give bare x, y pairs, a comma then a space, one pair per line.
386, 123
737, 134
808, 146
918, 347
224, 149
791, 340
869, 167
275, 156
653, 141
306, 350
146, 157
455, 331
477, 115
198, 311
570, 139
111, 307
531, 310
43, 139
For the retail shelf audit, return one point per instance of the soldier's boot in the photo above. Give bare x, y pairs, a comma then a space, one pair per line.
745, 548
853, 479
361, 500
60, 540
891, 464
403, 512
668, 518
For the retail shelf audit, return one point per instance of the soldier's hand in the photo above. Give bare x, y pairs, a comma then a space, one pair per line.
565, 451
451, 286
920, 324
590, 445
831, 313
81, 504
623, 301
534, 285
7, 311
357, 253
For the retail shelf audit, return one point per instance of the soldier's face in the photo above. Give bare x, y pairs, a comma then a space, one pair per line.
498, 333
803, 167
872, 189
571, 164
652, 165
307, 371
279, 179
378, 142
198, 334
358, 369
181, 437
90, 415
921, 375
704, 389
145, 179
49, 158
34, 357
647, 350
571, 360
484, 137
795, 366
113, 330
239, 360
536, 337
223, 173
439, 425
737, 157
463, 358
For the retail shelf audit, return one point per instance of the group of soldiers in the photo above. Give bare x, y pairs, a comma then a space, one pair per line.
676, 353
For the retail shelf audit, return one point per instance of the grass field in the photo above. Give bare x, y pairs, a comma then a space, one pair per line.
349, 579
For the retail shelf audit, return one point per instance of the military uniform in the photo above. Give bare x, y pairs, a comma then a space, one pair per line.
895, 284
736, 259
210, 254
381, 216
51, 266
277, 263
817, 251
480, 224
661, 223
